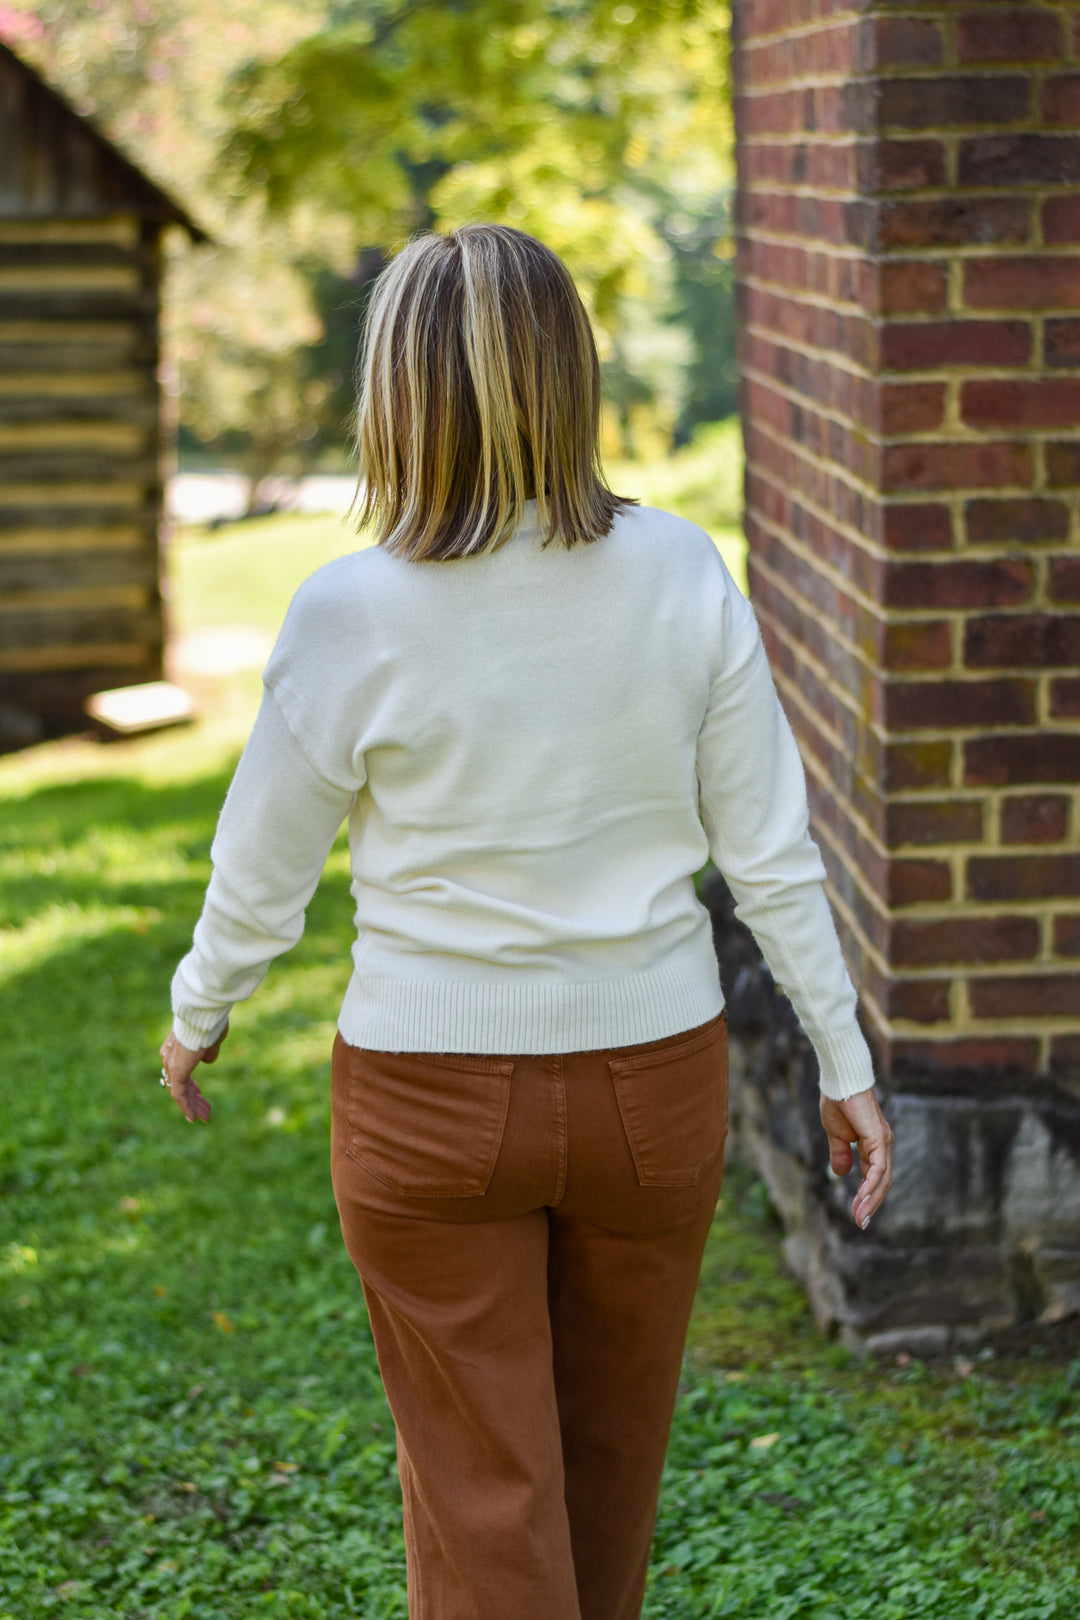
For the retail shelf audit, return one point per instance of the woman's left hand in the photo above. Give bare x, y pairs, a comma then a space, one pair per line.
177, 1063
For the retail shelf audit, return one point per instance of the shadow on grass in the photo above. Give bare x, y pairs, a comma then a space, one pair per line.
100, 1178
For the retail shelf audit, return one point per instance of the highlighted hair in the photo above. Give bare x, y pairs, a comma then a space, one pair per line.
479, 389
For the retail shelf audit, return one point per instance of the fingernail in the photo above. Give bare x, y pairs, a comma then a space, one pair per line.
865, 1222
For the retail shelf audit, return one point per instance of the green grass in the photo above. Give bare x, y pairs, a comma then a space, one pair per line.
191, 1423
245, 573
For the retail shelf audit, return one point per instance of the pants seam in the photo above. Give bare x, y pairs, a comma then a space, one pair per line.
412, 1557
559, 1078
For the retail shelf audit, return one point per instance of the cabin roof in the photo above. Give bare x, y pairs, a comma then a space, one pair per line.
54, 162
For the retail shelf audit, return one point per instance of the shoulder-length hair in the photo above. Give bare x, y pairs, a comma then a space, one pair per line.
479, 389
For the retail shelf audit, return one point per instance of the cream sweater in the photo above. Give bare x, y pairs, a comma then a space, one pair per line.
536, 750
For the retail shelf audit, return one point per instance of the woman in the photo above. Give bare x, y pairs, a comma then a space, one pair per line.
541, 709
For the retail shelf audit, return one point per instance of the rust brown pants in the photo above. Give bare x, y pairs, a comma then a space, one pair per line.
529, 1233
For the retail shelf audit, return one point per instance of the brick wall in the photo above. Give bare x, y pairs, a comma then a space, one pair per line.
909, 261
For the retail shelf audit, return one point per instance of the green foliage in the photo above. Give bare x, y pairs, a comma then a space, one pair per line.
702, 481
786, 1495
373, 111
604, 129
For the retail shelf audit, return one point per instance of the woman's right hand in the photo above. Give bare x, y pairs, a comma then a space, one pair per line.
858, 1120
177, 1063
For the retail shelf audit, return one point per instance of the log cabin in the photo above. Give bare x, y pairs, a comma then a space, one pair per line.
82, 443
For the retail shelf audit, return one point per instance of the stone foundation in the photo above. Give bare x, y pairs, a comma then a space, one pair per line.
979, 1231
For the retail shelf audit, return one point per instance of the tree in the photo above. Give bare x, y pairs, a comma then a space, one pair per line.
601, 125
598, 126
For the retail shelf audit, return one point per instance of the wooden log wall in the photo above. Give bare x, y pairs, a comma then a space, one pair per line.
80, 460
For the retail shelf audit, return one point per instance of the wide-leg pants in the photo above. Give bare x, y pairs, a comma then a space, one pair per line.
529, 1232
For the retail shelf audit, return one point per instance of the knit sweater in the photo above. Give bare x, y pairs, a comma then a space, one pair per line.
535, 749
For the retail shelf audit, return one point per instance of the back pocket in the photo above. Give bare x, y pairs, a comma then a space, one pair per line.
429, 1125
673, 1103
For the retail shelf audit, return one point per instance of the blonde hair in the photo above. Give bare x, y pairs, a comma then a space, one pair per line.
479, 388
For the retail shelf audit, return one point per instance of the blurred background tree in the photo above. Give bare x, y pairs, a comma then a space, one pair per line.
311, 137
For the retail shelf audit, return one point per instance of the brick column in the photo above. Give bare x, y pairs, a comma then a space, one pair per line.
909, 262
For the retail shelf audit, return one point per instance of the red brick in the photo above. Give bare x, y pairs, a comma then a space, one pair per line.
950, 103
775, 113
1063, 463
1014, 34
937, 705
1035, 818
957, 584
1051, 757
954, 221
904, 42
1022, 641
1022, 877
1004, 1052
1065, 698
929, 345
898, 165
923, 1001
917, 644
1061, 341
1022, 283
934, 821
1061, 99
1027, 521
911, 407
1065, 1053
917, 526
1019, 160
909, 766
1040, 402
910, 882
823, 52
955, 466
1067, 935
907, 288
1028, 995
1061, 220
1065, 579
933, 942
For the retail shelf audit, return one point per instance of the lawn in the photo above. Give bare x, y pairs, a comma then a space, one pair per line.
191, 1422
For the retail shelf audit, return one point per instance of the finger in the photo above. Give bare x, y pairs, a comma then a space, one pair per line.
190, 1101
841, 1157
198, 1105
871, 1194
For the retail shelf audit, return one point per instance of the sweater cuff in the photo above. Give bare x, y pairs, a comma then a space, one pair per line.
845, 1062
200, 1029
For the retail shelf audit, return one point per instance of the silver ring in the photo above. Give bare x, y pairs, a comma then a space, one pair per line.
164, 1081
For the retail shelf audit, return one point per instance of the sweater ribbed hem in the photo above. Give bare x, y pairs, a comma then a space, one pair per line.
528, 1017
198, 1036
845, 1062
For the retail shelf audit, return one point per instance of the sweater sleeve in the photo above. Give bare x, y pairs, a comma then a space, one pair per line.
276, 827
754, 810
